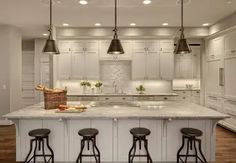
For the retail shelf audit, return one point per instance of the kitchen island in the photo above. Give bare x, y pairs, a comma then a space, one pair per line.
164, 119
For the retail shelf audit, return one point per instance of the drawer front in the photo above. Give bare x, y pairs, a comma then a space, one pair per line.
230, 107
164, 98
115, 99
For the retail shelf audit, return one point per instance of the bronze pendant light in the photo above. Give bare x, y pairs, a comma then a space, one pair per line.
115, 46
182, 46
50, 46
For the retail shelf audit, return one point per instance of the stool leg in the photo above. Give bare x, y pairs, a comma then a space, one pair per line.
200, 150
95, 145
186, 157
43, 150
132, 158
52, 153
79, 159
146, 147
35, 148
130, 151
195, 148
31, 146
94, 151
181, 148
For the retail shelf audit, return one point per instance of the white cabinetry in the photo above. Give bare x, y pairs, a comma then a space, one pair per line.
78, 60
167, 59
230, 43
145, 63
126, 44
215, 48
187, 66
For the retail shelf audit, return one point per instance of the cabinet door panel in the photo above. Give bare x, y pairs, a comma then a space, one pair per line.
152, 68
91, 65
64, 66
167, 65
230, 44
154, 139
139, 65
64, 46
167, 46
125, 139
74, 138
230, 78
213, 77
153, 46
77, 46
56, 138
140, 46
104, 138
77, 65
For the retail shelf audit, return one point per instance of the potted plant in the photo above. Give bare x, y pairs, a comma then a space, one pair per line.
140, 89
98, 85
85, 84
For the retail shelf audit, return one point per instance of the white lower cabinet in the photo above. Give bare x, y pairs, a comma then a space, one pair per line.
114, 139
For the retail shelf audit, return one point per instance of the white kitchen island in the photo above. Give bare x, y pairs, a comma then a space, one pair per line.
164, 119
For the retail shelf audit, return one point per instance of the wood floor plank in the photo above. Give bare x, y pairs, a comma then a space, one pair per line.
225, 145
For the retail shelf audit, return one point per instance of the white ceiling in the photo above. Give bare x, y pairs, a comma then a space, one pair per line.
32, 15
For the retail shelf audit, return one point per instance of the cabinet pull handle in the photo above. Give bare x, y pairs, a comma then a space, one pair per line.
221, 76
165, 98
233, 51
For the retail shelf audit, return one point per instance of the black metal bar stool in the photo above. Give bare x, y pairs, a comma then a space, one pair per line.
39, 136
139, 135
191, 134
89, 134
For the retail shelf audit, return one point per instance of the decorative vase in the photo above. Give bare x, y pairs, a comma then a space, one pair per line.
84, 89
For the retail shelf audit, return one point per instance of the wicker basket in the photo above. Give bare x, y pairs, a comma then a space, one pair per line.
52, 100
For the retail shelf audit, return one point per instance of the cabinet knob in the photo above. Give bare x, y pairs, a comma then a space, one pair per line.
106, 98
232, 51
165, 98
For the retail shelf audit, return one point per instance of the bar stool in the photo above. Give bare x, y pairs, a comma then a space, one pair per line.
139, 135
89, 134
191, 134
39, 136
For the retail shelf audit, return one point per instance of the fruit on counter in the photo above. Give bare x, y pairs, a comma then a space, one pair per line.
68, 107
62, 107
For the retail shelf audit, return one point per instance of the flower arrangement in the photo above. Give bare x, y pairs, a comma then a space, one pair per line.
98, 84
85, 83
140, 89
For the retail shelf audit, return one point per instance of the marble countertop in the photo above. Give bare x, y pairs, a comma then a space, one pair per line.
148, 110
121, 95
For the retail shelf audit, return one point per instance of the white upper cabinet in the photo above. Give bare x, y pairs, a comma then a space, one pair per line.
167, 59
230, 43
78, 60
145, 62
126, 44
215, 48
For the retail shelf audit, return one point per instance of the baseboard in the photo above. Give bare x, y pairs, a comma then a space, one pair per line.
5, 122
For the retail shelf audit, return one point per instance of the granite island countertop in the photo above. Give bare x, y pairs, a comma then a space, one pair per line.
147, 110
120, 95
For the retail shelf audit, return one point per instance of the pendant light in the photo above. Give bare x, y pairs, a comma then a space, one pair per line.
182, 46
115, 46
50, 46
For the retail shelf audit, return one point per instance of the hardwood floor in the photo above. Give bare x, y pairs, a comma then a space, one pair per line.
225, 145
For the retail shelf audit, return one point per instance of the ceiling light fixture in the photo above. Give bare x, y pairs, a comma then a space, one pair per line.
132, 24
147, 2
165, 24
83, 2
115, 46
205, 24
65, 24
50, 45
229, 1
45, 34
98, 24
182, 45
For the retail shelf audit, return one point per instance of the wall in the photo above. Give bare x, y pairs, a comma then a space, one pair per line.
10, 69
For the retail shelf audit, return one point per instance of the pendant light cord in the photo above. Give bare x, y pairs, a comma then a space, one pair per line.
50, 27
115, 29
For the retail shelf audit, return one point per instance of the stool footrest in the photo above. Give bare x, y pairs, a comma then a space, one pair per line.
138, 156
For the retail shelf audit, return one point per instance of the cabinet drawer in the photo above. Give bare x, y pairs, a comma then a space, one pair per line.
230, 107
115, 99
164, 98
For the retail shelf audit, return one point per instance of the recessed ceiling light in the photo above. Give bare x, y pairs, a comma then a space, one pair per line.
83, 2
229, 1
165, 24
65, 24
45, 34
97, 24
132, 24
178, 2
147, 2
205, 24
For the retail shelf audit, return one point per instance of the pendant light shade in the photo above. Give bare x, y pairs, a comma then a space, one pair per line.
50, 46
115, 46
182, 46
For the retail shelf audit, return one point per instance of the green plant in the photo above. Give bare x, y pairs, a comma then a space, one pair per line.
140, 88
98, 84
85, 83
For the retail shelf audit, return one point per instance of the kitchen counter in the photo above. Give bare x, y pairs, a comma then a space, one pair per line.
153, 110
114, 121
121, 95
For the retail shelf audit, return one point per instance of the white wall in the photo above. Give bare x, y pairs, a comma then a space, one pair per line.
10, 69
